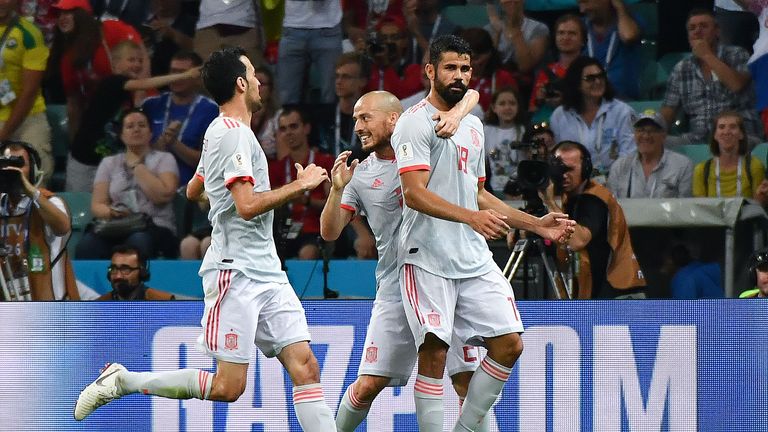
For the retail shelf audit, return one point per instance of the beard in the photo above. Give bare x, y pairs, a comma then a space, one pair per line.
449, 96
255, 105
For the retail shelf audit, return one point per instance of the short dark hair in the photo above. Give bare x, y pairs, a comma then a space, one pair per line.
570, 17
221, 71
355, 58
290, 109
572, 97
447, 43
492, 118
133, 111
188, 55
126, 249
700, 11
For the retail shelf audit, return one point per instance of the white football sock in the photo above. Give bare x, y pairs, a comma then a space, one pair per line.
485, 424
484, 387
311, 410
351, 412
180, 384
428, 394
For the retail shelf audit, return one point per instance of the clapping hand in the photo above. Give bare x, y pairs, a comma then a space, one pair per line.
341, 174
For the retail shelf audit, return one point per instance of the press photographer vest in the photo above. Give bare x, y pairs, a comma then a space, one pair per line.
40, 282
623, 270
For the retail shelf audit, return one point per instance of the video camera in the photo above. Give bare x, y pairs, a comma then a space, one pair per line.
534, 174
10, 181
377, 47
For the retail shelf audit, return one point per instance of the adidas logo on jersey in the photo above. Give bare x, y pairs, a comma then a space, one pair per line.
377, 184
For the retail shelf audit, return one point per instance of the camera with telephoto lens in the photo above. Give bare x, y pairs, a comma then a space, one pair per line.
553, 89
533, 175
10, 180
377, 46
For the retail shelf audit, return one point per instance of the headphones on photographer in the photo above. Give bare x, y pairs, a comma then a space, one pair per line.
758, 258
36, 164
586, 157
143, 267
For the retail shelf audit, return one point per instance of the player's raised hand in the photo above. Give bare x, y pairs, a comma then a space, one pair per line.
341, 174
489, 223
311, 176
447, 123
557, 227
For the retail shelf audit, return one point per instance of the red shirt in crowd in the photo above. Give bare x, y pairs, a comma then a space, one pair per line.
487, 85
83, 81
403, 87
283, 171
542, 78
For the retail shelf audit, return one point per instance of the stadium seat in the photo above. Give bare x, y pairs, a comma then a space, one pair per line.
467, 16
79, 204
696, 152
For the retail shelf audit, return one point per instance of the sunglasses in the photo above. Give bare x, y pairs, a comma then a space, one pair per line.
594, 77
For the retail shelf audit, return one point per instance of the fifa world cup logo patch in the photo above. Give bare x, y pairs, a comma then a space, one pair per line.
371, 354
230, 341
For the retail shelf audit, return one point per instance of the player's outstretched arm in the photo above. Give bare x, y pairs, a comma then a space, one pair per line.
489, 223
554, 226
448, 121
250, 204
333, 219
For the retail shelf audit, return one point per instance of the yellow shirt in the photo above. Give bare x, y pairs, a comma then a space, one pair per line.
24, 49
727, 180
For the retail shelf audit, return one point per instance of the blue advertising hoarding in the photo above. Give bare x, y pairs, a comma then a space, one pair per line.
587, 366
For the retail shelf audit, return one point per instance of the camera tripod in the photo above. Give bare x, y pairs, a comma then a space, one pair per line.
14, 288
553, 274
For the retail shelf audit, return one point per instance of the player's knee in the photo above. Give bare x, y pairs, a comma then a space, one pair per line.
508, 350
367, 387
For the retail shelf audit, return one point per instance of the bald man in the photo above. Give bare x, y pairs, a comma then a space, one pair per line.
372, 188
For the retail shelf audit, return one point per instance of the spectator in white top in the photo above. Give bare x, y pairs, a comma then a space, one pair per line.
518, 38
229, 23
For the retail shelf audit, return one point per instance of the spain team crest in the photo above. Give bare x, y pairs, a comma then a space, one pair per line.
475, 138
230, 341
371, 354
434, 319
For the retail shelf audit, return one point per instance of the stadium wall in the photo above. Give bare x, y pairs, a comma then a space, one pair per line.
588, 366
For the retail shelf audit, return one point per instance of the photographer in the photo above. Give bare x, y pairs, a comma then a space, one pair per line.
35, 223
390, 69
607, 267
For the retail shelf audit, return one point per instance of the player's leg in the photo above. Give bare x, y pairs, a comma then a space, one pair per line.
503, 341
430, 314
283, 332
357, 401
461, 363
223, 299
388, 357
308, 398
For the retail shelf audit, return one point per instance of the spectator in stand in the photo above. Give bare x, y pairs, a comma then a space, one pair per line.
487, 74
691, 278
425, 22
591, 115
180, 116
547, 94
311, 39
715, 78
390, 68
138, 180
337, 128
98, 133
360, 16
301, 238
732, 170
521, 41
504, 129
651, 172
230, 23
170, 29
613, 38
81, 54
23, 57
264, 121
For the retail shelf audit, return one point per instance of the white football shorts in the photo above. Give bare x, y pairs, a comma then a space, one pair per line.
471, 309
240, 313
